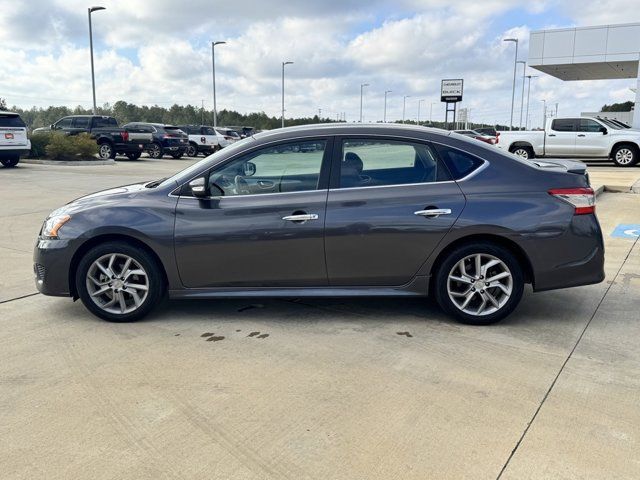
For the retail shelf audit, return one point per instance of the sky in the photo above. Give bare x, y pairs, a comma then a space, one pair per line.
159, 52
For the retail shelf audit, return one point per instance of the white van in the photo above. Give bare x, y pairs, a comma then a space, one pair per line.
13, 139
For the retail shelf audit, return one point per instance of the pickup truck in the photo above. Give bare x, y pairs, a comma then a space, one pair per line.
580, 137
13, 139
111, 138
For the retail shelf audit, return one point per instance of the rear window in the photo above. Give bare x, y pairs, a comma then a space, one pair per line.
11, 121
99, 122
459, 163
172, 129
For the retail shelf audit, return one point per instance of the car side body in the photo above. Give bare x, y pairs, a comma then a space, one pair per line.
364, 240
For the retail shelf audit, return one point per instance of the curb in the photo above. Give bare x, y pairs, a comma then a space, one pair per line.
73, 163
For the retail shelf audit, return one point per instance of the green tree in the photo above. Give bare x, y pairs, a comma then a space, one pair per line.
618, 107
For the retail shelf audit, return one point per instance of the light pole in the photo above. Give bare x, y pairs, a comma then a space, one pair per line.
431, 113
524, 71
513, 90
526, 119
419, 102
544, 114
362, 85
213, 69
283, 65
93, 77
384, 117
404, 105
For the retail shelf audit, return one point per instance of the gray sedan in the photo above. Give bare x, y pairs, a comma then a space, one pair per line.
335, 211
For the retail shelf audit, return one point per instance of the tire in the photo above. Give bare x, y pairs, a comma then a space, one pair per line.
106, 151
523, 152
10, 162
141, 261
134, 156
177, 155
625, 155
192, 150
155, 151
475, 286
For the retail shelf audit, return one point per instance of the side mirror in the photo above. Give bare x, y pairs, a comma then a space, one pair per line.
198, 187
249, 169
604, 130
52, 127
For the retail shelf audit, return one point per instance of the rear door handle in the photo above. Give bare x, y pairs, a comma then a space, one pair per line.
302, 217
582, 135
551, 135
433, 212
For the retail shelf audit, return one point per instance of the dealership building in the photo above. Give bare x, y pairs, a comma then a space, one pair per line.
589, 53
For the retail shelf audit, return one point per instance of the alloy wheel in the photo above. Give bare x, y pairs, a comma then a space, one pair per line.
521, 152
117, 283
624, 156
105, 150
479, 284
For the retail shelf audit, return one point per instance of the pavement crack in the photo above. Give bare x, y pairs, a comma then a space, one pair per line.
553, 383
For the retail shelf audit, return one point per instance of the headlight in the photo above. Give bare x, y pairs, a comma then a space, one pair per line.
53, 224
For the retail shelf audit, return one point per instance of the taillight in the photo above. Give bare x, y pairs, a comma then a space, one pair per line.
582, 199
125, 136
497, 138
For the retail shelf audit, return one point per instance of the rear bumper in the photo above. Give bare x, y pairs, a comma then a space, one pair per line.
51, 262
12, 151
130, 147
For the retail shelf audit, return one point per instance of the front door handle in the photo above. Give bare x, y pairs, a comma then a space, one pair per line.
582, 135
551, 135
433, 212
302, 217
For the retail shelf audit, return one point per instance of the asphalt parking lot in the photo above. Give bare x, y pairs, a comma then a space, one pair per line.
318, 389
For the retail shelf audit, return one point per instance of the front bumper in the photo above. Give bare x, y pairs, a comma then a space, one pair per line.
51, 262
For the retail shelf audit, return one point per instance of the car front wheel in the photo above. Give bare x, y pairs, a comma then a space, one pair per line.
625, 156
479, 284
119, 282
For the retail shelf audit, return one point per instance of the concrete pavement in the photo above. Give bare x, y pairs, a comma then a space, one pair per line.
340, 389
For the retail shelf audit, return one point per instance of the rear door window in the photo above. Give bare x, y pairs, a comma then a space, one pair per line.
564, 125
11, 121
81, 122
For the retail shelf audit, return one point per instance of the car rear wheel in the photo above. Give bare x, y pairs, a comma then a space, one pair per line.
155, 151
625, 156
11, 161
119, 282
134, 155
479, 283
192, 150
523, 152
106, 151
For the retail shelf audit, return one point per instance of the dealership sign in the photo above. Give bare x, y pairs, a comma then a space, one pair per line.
451, 90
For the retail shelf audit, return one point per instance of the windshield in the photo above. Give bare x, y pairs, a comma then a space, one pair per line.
186, 174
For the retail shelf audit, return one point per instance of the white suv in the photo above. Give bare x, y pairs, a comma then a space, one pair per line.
13, 139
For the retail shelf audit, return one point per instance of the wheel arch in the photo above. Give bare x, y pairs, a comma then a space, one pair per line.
103, 238
622, 143
520, 143
513, 247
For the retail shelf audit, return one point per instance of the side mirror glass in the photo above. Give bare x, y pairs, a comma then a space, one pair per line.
604, 130
249, 169
198, 187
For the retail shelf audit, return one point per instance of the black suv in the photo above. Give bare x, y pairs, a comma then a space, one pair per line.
159, 139
111, 138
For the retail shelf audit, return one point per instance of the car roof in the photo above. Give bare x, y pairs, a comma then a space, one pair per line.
351, 129
4, 112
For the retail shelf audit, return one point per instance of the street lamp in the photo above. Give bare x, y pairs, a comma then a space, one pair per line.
524, 71
362, 85
93, 77
513, 91
384, 118
419, 102
283, 65
544, 114
213, 69
526, 118
404, 105
431, 113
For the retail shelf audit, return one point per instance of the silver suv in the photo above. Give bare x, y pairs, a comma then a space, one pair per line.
13, 139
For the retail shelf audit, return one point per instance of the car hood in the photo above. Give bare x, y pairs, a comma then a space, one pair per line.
100, 198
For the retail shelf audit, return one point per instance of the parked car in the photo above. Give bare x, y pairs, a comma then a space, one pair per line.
229, 136
583, 137
13, 139
377, 210
243, 131
202, 139
477, 136
489, 131
159, 138
112, 140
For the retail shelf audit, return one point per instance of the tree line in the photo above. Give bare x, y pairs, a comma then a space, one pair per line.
175, 115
